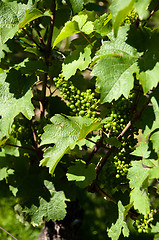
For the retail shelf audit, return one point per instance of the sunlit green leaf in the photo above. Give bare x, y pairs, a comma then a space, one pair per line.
65, 132
79, 59
76, 5
142, 8
30, 16
13, 103
115, 65
120, 225
149, 79
54, 209
120, 10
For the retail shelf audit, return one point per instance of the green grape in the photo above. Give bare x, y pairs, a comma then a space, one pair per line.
26, 155
81, 103
72, 106
140, 230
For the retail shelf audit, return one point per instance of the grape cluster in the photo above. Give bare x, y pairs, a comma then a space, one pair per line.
21, 130
80, 103
119, 115
123, 158
143, 222
120, 165
131, 17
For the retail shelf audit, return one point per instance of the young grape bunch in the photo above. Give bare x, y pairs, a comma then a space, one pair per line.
120, 165
80, 103
131, 18
143, 222
21, 130
120, 114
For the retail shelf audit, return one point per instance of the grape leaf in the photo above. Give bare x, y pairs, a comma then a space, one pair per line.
151, 133
120, 225
80, 19
79, 59
82, 174
19, 15
141, 7
137, 175
76, 5
89, 143
3, 48
140, 199
154, 139
30, 16
21, 83
154, 172
120, 10
11, 106
65, 132
4, 172
151, 56
142, 150
115, 65
155, 229
10, 148
54, 209
156, 112
30, 67
9, 24
88, 27
70, 28
103, 25
78, 24
122, 33
149, 79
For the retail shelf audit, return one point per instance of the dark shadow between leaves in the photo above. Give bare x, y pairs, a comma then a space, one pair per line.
19, 84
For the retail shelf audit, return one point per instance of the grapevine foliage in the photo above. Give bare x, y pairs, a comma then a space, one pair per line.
79, 111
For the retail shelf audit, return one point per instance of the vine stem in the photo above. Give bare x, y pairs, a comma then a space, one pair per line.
47, 58
43, 95
8, 233
153, 11
90, 140
13, 145
103, 160
53, 8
